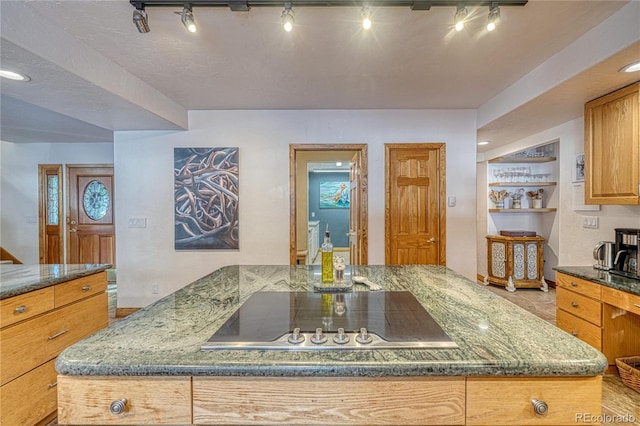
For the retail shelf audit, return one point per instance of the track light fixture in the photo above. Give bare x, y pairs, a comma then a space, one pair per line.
288, 18
140, 18
366, 17
494, 16
460, 16
186, 16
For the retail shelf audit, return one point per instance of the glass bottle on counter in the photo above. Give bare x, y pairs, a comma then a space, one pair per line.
327, 258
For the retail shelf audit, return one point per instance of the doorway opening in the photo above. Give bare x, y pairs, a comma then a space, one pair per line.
314, 176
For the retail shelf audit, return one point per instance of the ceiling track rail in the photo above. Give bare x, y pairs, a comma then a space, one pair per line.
245, 5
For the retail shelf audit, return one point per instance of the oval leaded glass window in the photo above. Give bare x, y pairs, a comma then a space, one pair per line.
96, 200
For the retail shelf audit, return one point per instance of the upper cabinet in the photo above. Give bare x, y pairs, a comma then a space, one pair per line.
612, 147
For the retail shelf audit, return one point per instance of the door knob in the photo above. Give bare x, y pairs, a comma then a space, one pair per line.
431, 240
73, 230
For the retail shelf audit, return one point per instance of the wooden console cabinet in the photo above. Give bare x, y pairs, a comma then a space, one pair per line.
34, 328
515, 262
606, 318
612, 147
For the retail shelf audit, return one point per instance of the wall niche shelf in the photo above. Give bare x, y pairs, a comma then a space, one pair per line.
542, 210
522, 160
526, 184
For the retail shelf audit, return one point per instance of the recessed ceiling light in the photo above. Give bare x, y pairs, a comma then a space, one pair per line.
633, 67
11, 75
480, 143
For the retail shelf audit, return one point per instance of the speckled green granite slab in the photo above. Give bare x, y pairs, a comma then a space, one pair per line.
495, 337
16, 279
605, 278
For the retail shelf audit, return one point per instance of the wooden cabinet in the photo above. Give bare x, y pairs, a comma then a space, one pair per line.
606, 318
36, 327
612, 147
515, 261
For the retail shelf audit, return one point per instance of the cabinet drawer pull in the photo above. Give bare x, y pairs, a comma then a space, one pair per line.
574, 284
118, 406
574, 304
574, 333
540, 407
21, 309
52, 385
86, 288
58, 334
637, 305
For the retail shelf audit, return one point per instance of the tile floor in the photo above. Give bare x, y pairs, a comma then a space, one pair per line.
620, 404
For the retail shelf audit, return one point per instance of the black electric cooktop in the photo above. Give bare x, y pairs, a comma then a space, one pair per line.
309, 321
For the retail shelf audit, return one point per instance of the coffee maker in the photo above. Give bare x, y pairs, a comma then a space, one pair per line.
627, 257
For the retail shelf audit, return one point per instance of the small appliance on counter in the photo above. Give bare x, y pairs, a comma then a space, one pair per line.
627, 253
604, 253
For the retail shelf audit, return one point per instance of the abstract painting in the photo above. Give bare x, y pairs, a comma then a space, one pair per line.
334, 195
206, 198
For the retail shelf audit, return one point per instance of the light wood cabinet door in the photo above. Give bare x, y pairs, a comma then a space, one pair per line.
145, 400
579, 305
24, 306
612, 148
508, 401
578, 285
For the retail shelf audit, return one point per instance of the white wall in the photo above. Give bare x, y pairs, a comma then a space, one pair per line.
568, 240
144, 183
19, 188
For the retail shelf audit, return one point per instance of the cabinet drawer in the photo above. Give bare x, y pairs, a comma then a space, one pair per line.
24, 306
312, 401
30, 343
578, 285
508, 401
80, 288
149, 400
620, 299
31, 397
579, 305
583, 330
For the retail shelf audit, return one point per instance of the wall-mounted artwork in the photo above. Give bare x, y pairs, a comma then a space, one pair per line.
334, 195
206, 198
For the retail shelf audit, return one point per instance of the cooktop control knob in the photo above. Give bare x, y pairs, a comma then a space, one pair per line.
318, 338
296, 337
341, 338
363, 337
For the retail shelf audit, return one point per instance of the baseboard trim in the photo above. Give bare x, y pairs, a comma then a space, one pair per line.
125, 312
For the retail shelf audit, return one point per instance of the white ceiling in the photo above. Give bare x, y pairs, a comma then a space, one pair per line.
93, 73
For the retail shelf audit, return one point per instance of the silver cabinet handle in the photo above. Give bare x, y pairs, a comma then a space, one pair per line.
52, 385
118, 406
574, 284
574, 333
540, 407
574, 304
86, 288
21, 309
637, 305
58, 334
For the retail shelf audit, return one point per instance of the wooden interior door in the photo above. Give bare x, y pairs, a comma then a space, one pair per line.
415, 210
354, 211
90, 224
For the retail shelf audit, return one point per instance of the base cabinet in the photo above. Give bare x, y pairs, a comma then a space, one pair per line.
515, 261
36, 327
321, 401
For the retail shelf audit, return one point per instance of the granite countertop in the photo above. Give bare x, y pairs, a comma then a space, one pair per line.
495, 337
16, 279
605, 278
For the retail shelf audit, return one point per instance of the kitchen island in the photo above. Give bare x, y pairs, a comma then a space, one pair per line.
510, 367
43, 309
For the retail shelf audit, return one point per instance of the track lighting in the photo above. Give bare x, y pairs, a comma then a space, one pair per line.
140, 18
288, 18
366, 17
460, 16
494, 16
186, 16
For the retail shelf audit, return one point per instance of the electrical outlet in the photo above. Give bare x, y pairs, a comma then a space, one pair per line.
591, 222
155, 288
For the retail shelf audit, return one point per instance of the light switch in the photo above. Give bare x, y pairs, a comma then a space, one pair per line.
137, 222
451, 201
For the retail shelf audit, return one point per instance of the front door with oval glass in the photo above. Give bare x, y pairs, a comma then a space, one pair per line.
90, 224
